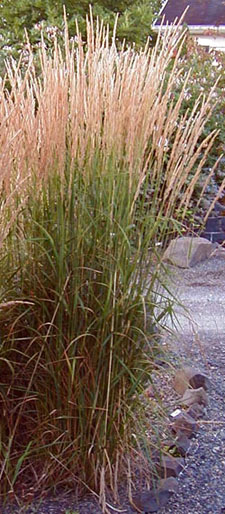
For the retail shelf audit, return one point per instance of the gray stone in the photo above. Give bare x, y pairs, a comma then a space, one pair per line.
186, 252
187, 377
170, 466
185, 424
182, 444
178, 445
156, 499
197, 378
151, 501
192, 396
168, 484
196, 411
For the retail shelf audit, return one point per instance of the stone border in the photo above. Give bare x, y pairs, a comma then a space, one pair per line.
192, 386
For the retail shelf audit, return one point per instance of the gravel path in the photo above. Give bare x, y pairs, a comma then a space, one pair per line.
200, 341
202, 483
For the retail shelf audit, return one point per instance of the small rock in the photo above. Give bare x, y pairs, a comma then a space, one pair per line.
189, 376
152, 501
182, 444
197, 378
170, 466
185, 424
196, 411
192, 396
168, 484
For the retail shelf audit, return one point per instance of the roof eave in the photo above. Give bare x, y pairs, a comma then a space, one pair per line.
194, 29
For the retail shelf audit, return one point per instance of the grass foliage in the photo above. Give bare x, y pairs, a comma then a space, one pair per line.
87, 190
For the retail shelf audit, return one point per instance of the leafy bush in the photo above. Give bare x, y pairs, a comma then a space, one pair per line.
87, 192
133, 24
206, 71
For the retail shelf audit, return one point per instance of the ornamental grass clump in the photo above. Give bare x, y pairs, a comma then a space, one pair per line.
88, 190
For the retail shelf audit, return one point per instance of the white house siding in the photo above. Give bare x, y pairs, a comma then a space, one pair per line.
214, 42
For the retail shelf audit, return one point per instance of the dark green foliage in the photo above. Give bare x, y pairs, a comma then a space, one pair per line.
207, 71
134, 22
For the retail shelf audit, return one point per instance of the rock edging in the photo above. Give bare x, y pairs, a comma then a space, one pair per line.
192, 386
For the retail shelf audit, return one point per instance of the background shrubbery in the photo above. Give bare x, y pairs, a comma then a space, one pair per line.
134, 22
207, 69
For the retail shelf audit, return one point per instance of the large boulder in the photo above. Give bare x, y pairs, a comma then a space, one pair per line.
186, 252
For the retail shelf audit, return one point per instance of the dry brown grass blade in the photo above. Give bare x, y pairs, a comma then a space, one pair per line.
14, 303
218, 195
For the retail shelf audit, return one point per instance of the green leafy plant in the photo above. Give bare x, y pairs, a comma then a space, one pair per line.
133, 24
206, 71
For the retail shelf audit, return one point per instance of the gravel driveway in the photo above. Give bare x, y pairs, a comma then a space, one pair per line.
200, 341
